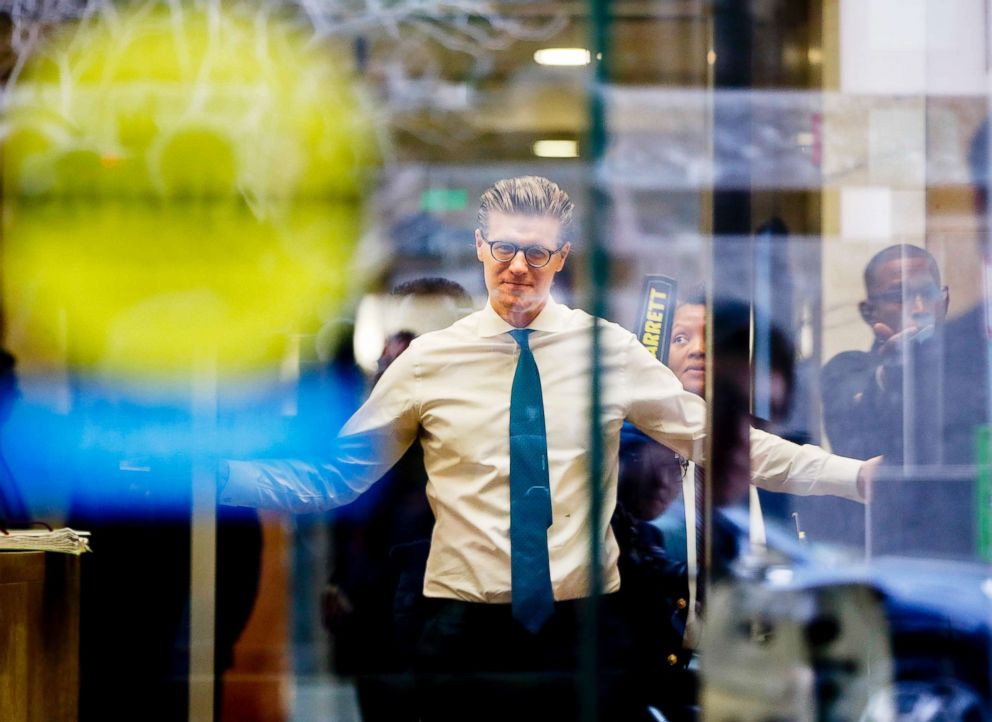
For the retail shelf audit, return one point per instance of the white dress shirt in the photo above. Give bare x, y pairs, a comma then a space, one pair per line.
451, 389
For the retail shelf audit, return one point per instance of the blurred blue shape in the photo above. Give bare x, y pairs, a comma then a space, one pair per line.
115, 457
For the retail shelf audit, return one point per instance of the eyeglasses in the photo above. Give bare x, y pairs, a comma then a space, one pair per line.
929, 294
536, 256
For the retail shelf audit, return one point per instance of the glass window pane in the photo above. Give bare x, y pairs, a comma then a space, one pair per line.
260, 267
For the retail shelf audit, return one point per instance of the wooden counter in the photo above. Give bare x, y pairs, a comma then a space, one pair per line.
39, 637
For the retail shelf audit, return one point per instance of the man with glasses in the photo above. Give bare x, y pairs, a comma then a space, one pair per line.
500, 402
905, 308
930, 412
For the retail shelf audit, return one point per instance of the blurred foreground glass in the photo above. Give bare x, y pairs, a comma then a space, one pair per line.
179, 187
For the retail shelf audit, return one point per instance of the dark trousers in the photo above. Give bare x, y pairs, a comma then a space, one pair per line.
475, 662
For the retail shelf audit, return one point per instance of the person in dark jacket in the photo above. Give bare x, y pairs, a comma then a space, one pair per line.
905, 305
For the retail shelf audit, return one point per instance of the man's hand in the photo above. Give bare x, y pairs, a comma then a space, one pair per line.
866, 476
894, 346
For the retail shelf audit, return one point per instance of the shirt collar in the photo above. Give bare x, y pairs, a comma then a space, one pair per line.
550, 319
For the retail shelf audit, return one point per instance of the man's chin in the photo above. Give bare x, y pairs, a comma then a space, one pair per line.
518, 300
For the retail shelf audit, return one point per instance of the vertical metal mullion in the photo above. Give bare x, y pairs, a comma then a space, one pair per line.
598, 261
731, 48
203, 548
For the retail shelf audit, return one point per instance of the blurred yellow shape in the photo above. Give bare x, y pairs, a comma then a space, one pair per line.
181, 185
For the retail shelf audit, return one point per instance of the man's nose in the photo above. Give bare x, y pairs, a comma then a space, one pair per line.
917, 304
698, 347
518, 264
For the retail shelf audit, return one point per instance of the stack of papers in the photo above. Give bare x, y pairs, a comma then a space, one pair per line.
65, 540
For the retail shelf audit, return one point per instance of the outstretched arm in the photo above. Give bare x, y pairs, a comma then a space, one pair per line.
366, 448
661, 408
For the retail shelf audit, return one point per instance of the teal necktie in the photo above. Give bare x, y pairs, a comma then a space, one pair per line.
530, 494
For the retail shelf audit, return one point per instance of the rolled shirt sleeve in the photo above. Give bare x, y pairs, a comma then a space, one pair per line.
659, 406
780, 465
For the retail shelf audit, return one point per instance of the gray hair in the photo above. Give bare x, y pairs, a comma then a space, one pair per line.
528, 195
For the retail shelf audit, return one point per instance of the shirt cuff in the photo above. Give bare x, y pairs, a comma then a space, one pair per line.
840, 477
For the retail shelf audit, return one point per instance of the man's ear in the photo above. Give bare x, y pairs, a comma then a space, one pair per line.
867, 311
478, 244
563, 254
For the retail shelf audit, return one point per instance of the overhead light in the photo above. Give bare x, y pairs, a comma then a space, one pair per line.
556, 149
561, 56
